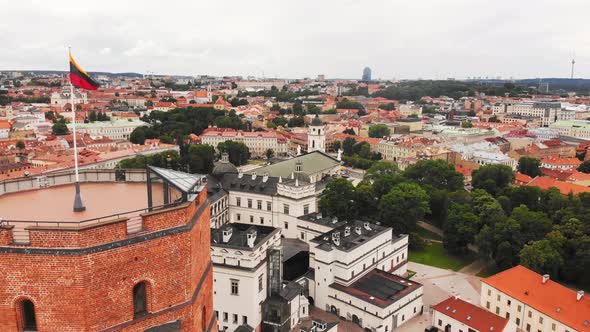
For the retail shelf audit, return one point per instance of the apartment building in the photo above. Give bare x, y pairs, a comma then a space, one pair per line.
456, 315
357, 270
257, 142
534, 302
238, 253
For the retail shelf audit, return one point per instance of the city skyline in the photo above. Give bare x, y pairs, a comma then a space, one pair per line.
423, 39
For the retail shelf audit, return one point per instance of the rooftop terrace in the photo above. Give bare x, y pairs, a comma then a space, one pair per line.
47, 201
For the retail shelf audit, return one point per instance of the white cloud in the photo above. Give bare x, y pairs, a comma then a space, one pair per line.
403, 39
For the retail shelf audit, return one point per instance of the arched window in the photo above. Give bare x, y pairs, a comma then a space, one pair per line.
139, 300
204, 319
28, 314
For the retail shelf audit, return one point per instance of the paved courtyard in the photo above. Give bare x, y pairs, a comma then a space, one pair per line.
439, 284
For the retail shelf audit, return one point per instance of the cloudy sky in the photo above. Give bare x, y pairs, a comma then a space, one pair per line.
299, 38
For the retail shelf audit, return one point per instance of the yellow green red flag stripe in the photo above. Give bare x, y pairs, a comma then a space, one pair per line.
80, 78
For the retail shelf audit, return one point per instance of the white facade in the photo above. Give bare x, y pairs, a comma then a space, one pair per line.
257, 142
62, 98
524, 316
316, 137
240, 281
116, 129
337, 264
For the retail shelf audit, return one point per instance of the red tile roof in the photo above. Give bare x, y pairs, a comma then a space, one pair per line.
565, 188
471, 315
550, 298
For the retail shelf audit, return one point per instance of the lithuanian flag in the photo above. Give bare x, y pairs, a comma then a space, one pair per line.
80, 78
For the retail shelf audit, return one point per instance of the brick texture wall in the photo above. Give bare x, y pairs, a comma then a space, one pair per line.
91, 289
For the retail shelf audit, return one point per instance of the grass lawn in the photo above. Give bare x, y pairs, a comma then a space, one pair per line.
434, 254
426, 234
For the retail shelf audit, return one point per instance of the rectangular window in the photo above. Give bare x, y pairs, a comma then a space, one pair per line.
306, 209
517, 321
286, 225
260, 282
244, 320
251, 219
509, 302
528, 327
488, 305
268, 206
216, 314
497, 310
302, 235
238, 216
238, 199
553, 326
286, 208
249, 203
498, 297
225, 316
234, 286
235, 319
262, 220
519, 308
530, 314
259, 204
540, 320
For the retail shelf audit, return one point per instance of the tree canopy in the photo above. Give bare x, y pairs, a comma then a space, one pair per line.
379, 131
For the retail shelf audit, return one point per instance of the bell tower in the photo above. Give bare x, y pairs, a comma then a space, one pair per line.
316, 135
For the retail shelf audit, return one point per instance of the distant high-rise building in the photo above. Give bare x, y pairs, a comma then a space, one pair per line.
366, 74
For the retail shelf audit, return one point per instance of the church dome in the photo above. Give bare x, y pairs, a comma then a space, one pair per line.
316, 121
224, 166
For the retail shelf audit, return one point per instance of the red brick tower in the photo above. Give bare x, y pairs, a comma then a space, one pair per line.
122, 265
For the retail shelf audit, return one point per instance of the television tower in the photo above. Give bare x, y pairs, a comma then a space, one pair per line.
573, 63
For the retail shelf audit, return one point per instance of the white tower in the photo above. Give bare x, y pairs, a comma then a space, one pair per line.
316, 136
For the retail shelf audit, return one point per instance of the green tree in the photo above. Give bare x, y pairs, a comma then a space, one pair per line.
533, 225
269, 153
460, 228
348, 145
338, 199
200, 158
585, 167
381, 168
387, 107
349, 131
238, 152
541, 257
92, 117
20, 145
500, 242
492, 178
437, 173
466, 124
403, 207
59, 129
529, 166
379, 131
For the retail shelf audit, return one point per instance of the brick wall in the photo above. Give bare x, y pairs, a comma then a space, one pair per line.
91, 289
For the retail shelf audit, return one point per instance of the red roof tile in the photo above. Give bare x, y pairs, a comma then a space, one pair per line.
550, 298
471, 315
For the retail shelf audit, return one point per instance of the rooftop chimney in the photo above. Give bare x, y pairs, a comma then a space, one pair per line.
545, 278
251, 238
366, 225
579, 295
240, 175
358, 230
254, 176
264, 177
347, 231
227, 233
336, 238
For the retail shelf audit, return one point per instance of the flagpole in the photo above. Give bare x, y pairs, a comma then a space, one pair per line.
78, 204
